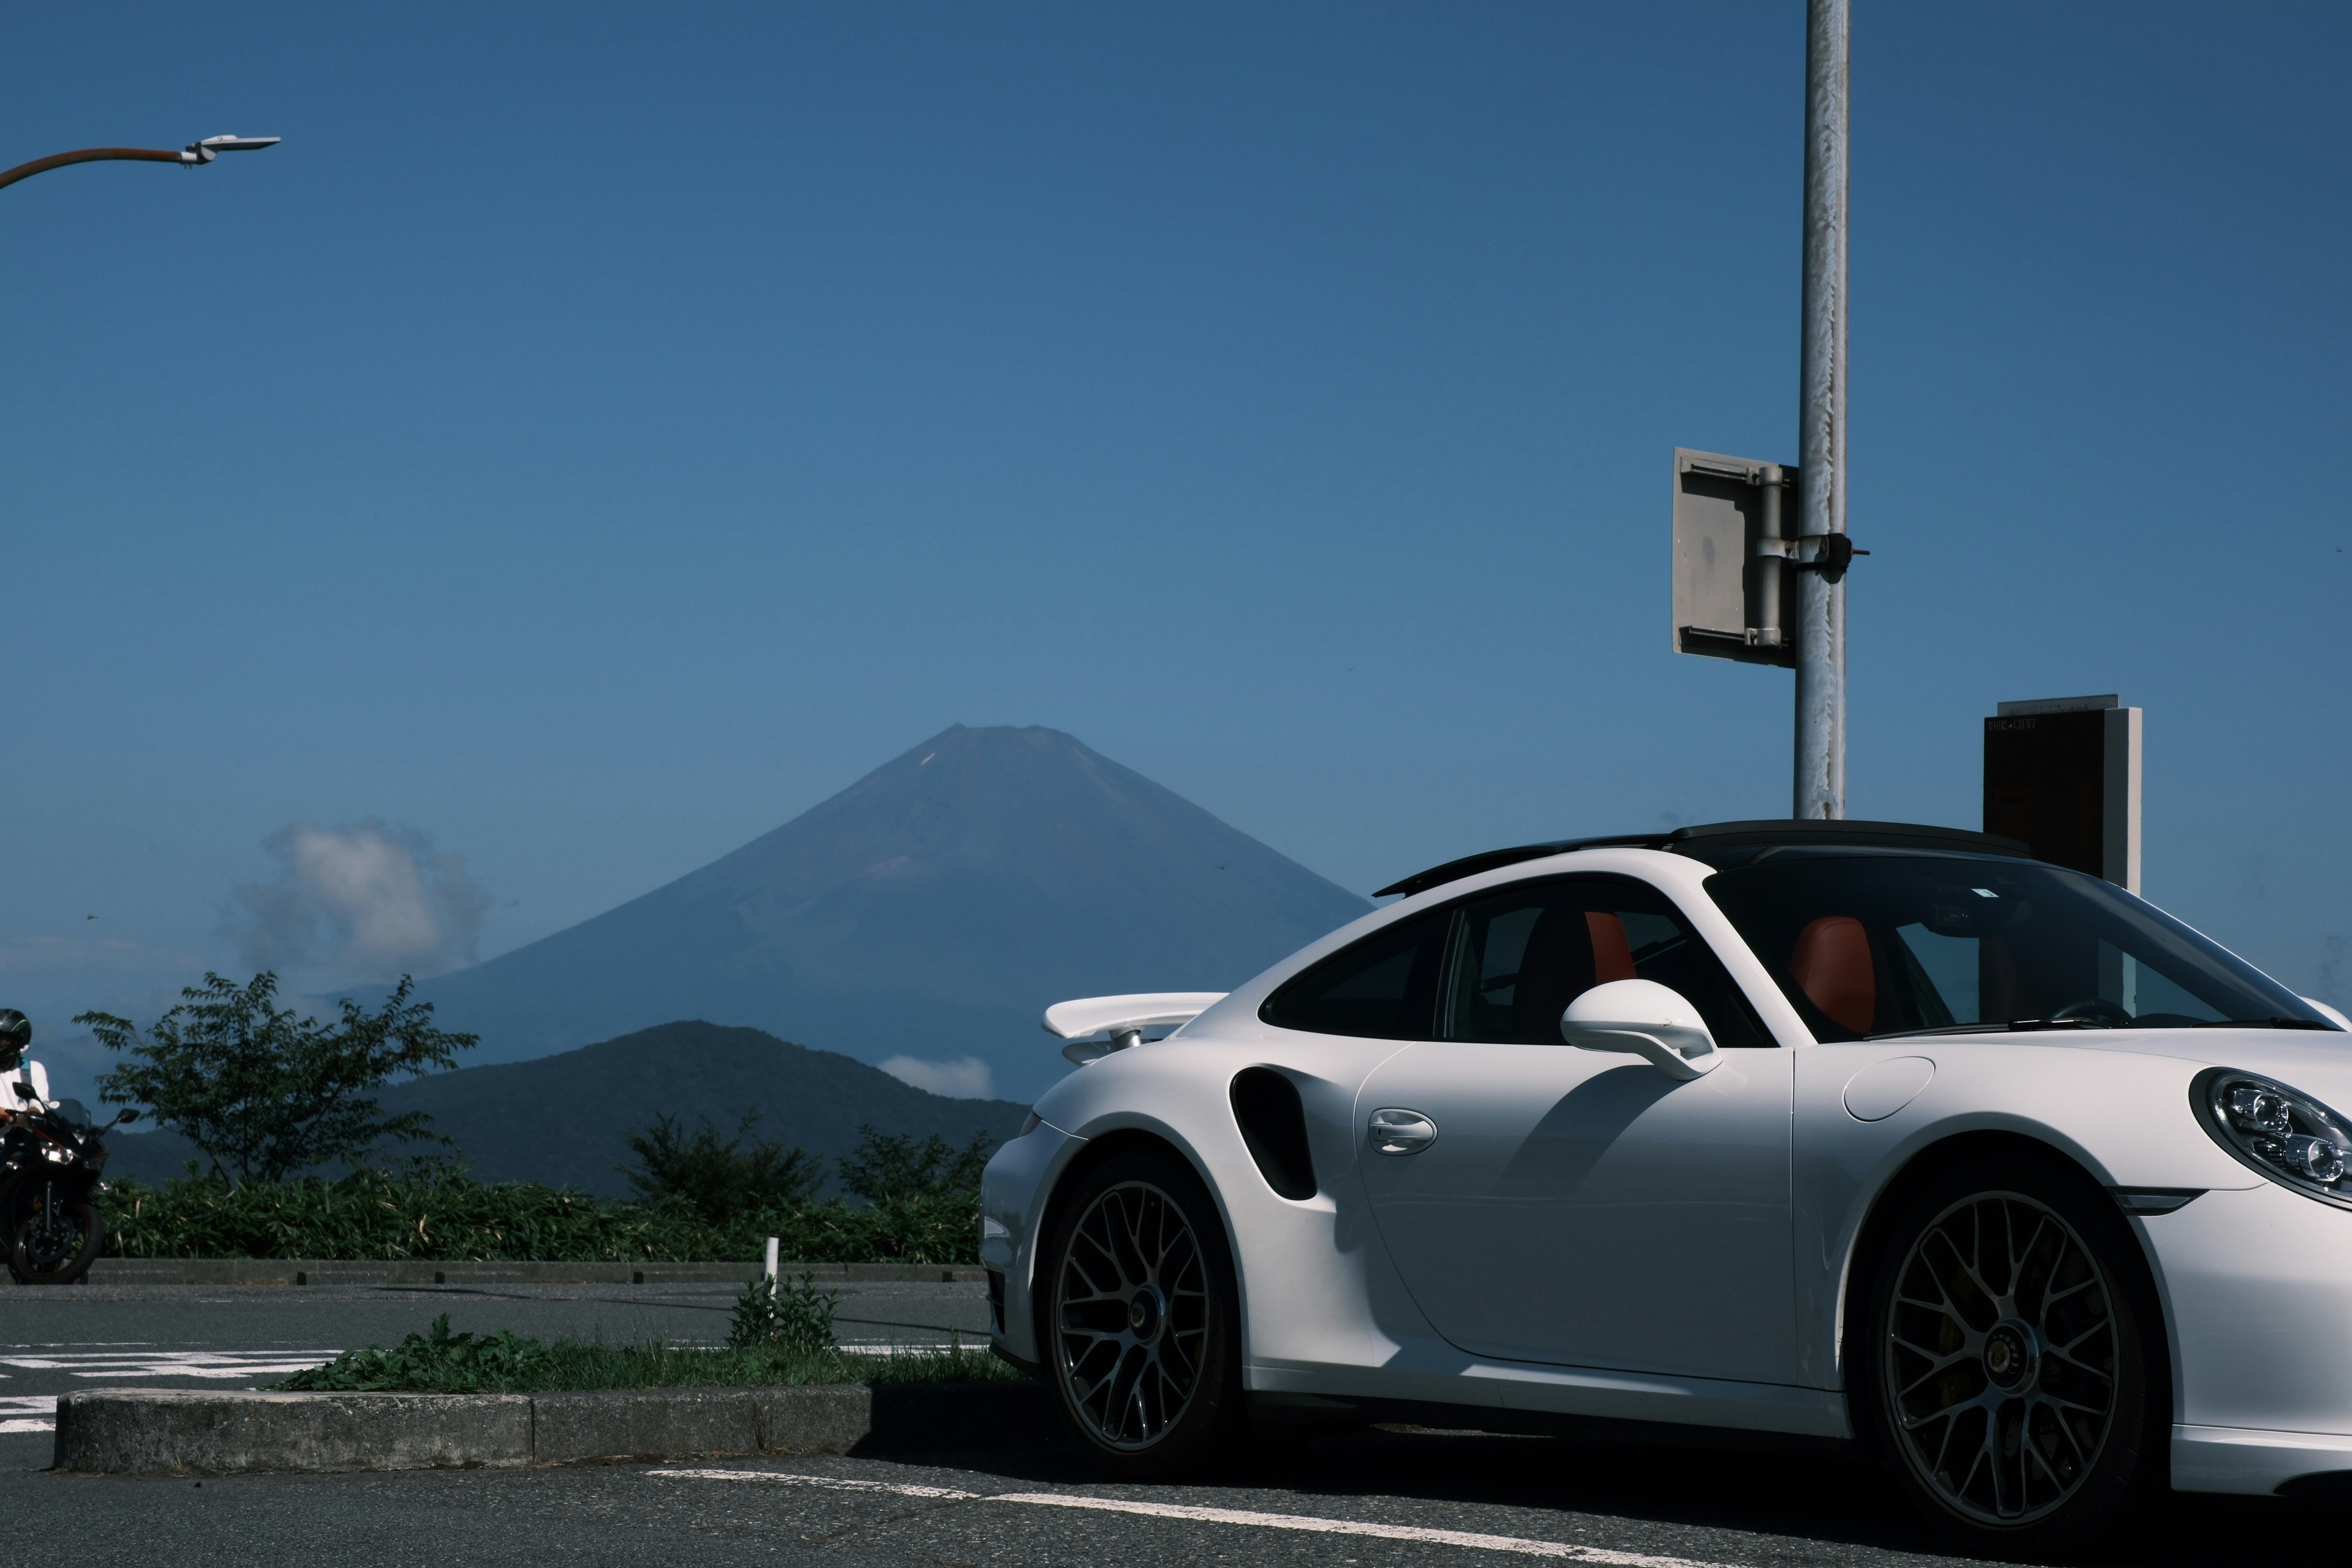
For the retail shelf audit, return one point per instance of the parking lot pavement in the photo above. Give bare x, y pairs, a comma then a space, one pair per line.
1368, 1499
53, 1341
1374, 1500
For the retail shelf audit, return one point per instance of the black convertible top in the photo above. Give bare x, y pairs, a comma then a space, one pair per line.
1703, 840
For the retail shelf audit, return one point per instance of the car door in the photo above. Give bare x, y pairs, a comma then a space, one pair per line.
1548, 1203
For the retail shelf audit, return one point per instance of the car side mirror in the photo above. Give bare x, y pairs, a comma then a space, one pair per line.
127, 1113
1645, 1019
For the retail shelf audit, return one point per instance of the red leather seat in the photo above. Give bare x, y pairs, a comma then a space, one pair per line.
1832, 967
1612, 955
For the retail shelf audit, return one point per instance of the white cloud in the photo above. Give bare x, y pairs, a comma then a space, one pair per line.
367, 901
966, 1078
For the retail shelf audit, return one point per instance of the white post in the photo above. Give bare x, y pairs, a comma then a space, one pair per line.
771, 1259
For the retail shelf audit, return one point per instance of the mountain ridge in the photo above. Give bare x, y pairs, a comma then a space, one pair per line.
932, 908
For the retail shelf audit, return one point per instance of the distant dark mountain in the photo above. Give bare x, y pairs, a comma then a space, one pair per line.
559, 1120
933, 909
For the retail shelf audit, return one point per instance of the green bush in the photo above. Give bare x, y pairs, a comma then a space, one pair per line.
895, 1165
375, 1215
444, 1363
793, 1313
720, 1179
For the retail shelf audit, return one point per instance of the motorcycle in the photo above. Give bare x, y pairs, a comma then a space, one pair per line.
52, 1156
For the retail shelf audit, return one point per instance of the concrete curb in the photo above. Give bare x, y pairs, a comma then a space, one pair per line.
459, 1271
135, 1431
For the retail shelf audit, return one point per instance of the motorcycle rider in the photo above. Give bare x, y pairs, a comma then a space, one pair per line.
15, 1038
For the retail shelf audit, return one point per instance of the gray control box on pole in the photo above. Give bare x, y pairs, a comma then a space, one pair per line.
1733, 597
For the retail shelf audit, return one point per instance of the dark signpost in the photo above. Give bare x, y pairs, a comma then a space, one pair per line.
2063, 775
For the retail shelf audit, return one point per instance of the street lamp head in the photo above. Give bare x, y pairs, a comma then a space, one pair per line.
203, 152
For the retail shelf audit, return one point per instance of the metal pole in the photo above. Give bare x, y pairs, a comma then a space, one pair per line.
88, 155
1819, 631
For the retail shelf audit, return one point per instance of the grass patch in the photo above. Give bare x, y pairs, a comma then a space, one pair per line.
503, 1362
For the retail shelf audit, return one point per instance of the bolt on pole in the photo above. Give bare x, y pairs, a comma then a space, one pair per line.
1820, 632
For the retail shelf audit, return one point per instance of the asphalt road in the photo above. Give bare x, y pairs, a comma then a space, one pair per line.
247, 1336
1368, 1499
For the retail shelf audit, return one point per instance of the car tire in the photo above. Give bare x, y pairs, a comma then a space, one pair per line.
2010, 1368
1138, 1322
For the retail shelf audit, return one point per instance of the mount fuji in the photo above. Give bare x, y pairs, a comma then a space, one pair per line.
931, 911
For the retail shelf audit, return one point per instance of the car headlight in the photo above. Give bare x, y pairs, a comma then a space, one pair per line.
2283, 1132
57, 1154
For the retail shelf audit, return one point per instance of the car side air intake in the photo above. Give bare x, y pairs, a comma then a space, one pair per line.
1274, 1125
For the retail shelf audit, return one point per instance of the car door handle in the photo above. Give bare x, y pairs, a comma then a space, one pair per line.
1400, 1131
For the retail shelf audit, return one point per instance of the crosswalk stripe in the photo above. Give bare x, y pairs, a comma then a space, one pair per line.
209, 1364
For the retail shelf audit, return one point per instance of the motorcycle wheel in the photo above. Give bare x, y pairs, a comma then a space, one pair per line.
43, 1253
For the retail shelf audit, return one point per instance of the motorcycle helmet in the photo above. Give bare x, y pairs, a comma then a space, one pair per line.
16, 1034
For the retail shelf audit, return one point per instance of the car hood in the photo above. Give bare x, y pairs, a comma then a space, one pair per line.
2313, 1059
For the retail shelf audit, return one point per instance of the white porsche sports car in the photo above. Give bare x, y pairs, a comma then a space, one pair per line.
1841, 1130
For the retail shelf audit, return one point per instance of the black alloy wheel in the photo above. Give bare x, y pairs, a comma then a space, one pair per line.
54, 1246
1138, 1317
2009, 1366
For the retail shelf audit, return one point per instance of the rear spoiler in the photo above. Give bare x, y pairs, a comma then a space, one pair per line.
1122, 1019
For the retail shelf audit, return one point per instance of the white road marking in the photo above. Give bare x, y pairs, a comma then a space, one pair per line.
28, 1413
37, 1412
216, 1365
829, 1483
1518, 1545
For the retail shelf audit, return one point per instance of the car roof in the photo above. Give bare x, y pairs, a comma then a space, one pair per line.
1710, 841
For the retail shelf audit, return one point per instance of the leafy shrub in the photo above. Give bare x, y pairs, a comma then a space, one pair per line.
893, 1166
375, 1215
923, 1207
790, 1312
719, 1181
445, 1362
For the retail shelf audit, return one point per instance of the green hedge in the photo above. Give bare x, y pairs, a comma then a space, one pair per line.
371, 1215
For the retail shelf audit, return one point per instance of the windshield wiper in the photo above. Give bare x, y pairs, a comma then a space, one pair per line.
2273, 1022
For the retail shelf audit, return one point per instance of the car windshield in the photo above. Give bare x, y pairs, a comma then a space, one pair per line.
1884, 943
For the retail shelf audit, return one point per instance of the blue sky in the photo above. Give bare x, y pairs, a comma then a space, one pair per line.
599, 433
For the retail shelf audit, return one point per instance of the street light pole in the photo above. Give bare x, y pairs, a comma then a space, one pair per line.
1820, 599
194, 156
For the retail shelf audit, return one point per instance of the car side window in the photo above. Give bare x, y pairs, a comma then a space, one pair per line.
1527, 952
1383, 987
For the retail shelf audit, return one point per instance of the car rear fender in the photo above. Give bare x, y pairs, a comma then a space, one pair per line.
1315, 1286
